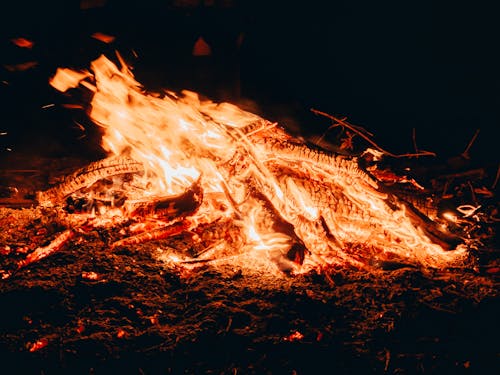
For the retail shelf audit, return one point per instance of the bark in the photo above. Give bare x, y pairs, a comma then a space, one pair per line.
87, 176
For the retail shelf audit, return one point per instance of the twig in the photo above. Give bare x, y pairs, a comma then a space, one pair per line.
387, 359
229, 323
445, 188
476, 173
472, 193
465, 154
265, 127
437, 307
356, 129
494, 185
414, 139
42, 252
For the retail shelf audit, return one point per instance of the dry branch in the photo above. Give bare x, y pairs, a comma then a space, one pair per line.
478, 173
497, 177
363, 134
465, 154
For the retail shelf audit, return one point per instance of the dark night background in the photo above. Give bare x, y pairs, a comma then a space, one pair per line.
389, 66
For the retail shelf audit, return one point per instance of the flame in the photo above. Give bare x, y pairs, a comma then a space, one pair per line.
66, 79
334, 210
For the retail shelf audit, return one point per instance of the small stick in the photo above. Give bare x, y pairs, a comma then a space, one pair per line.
465, 154
472, 192
42, 252
387, 359
494, 185
265, 127
356, 130
228, 326
156, 234
445, 188
414, 139
476, 173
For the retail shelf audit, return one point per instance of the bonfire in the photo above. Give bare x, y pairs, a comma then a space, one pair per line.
207, 239
243, 190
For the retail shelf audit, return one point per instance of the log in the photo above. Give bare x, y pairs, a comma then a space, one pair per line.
169, 207
87, 176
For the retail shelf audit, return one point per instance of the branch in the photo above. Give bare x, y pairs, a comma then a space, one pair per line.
361, 132
494, 185
465, 154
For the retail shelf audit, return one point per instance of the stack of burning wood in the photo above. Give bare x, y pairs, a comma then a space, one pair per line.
178, 165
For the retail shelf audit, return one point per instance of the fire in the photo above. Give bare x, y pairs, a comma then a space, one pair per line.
290, 204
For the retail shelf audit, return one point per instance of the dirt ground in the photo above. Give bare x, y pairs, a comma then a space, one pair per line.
92, 309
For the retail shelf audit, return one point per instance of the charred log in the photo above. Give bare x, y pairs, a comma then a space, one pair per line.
87, 176
169, 207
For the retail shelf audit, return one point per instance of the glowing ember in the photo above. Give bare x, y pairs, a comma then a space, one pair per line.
295, 336
90, 275
42, 252
23, 42
105, 38
40, 344
252, 194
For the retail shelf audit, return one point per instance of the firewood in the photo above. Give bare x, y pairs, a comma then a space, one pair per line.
87, 176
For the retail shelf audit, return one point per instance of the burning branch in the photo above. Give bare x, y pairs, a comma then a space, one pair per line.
43, 252
465, 154
497, 177
156, 234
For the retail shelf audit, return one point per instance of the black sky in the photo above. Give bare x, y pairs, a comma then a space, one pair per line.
389, 66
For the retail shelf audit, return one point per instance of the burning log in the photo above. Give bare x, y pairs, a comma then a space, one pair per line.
156, 234
42, 252
87, 176
170, 207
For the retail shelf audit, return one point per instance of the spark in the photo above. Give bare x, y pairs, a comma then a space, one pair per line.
79, 126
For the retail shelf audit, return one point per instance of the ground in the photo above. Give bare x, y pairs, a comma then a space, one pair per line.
92, 309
